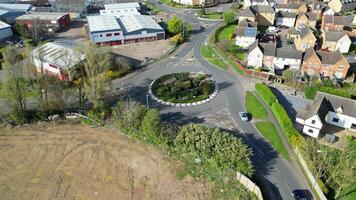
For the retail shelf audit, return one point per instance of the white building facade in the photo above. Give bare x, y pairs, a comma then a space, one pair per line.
285, 21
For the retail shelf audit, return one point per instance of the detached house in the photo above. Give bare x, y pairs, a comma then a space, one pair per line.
285, 19
332, 23
292, 7
265, 14
327, 109
336, 41
248, 14
304, 39
342, 5
334, 64
246, 33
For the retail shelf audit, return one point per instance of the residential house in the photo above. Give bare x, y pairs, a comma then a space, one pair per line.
282, 1
248, 14
248, 3
327, 109
292, 33
316, 7
334, 64
269, 53
190, 2
49, 22
328, 11
292, 7
5, 31
336, 41
265, 14
287, 58
246, 33
342, 5
254, 56
285, 19
304, 39
306, 20
57, 58
332, 23
311, 65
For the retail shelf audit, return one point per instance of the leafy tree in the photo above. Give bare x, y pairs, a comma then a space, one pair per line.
289, 74
229, 17
15, 85
129, 115
177, 39
175, 25
202, 11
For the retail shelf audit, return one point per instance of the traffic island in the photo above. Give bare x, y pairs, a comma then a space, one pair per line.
183, 89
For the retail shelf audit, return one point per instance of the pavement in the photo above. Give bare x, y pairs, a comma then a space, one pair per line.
276, 176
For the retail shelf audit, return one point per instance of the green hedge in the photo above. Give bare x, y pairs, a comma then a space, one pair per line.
310, 92
280, 113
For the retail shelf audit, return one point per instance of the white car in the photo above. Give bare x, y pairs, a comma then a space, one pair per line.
243, 116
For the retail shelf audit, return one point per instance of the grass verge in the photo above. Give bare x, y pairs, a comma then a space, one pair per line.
213, 15
211, 56
269, 131
254, 106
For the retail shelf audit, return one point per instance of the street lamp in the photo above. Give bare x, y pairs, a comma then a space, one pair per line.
318, 174
147, 100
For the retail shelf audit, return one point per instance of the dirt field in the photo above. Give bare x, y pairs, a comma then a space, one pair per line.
78, 162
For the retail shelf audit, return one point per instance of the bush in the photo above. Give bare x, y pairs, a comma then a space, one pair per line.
266, 94
151, 127
177, 39
129, 115
322, 186
310, 92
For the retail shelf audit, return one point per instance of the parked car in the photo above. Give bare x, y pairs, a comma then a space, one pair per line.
243, 116
272, 29
300, 195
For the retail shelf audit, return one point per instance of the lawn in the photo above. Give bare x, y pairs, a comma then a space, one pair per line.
211, 55
254, 106
268, 130
226, 32
212, 15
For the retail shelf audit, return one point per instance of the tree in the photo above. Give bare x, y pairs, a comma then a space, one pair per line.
129, 115
175, 25
15, 85
289, 74
202, 11
150, 126
229, 17
95, 82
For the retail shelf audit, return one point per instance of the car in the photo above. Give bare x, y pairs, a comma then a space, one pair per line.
300, 195
243, 116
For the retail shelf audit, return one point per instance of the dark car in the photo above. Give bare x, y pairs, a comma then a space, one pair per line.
300, 195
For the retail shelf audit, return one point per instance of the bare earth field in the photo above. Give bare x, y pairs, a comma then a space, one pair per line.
78, 162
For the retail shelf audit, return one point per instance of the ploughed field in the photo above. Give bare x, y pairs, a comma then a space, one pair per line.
79, 162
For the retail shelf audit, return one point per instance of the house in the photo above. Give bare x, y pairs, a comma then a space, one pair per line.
269, 53
109, 30
248, 3
254, 56
282, 1
292, 33
285, 19
291, 7
304, 39
305, 20
70, 6
328, 11
247, 14
246, 33
316, 7
5, 31
327, 109
50, 22
332, 23
261, 55
121, 9
9, 12
336, 41
265, 14
287, 58
342, 5
311, 65
57, 58
190, 2
334, 65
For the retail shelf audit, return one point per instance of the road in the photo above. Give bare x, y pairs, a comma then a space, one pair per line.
277, 176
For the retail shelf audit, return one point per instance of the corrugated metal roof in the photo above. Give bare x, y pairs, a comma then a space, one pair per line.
136, 22
102, 23
115, 6
42, 16
4, 25
15, 7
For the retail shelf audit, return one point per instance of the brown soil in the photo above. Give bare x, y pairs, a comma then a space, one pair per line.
78, 162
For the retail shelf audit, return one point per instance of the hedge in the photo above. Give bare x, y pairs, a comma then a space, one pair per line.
280, 113
310, 92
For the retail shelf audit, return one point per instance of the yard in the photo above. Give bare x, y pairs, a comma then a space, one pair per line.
78, 162
254, 106
268, 130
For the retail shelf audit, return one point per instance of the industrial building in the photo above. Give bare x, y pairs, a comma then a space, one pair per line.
5, 31
51, 21
9, 12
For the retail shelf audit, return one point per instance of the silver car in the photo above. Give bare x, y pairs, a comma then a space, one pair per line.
243, 116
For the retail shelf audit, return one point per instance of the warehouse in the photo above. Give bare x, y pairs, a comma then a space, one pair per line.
125, 29
121, 9
9, 12
52, 21
5, 31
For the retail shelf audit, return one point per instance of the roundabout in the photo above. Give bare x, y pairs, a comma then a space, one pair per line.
183, 89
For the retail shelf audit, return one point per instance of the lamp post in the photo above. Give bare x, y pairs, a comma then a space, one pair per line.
147, 100
318, 174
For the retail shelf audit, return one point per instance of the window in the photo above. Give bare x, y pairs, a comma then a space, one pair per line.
101, 35
116, 34
313, 121
108, 34
336, 120
310, 131
341, 67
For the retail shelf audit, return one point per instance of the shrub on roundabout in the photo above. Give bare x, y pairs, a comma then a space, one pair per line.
184, 87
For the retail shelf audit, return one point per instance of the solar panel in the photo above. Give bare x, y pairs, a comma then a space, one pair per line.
250, 31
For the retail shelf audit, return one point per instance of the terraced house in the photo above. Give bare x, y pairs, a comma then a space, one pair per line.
285, 19
292, 7
246, 33
332, 23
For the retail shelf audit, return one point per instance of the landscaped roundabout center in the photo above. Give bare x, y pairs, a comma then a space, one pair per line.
183, 89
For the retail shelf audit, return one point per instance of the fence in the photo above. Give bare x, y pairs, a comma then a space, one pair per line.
253, 73
310, 175
251, 186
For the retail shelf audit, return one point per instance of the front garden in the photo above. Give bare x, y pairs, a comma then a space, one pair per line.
184, 87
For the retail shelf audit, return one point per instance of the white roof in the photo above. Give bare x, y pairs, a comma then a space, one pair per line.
136, 22
15, 7
60, 53
115, 6
42, 16
102, 23
4, 25
120, 12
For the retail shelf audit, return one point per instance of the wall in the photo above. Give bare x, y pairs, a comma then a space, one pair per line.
244, 41
344, 120
254, 58
251, 186
315, 131
343, 44
281, 21
96, 38
281, 62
